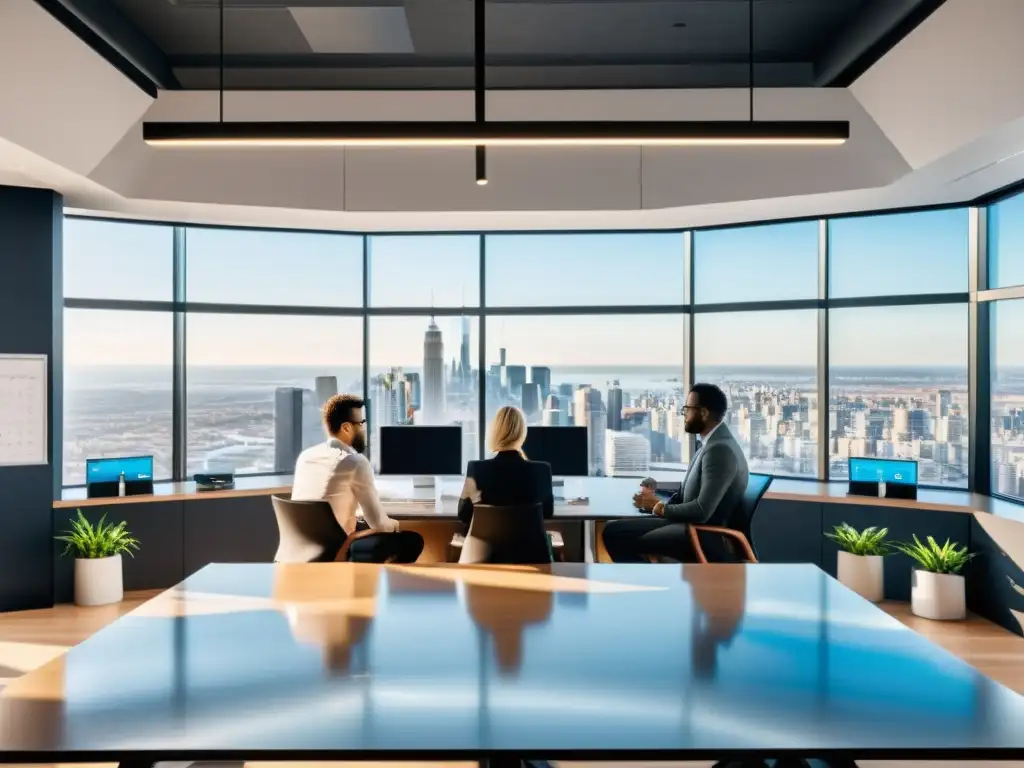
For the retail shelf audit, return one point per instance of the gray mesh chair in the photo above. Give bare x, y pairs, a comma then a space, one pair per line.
512, 535
309, 532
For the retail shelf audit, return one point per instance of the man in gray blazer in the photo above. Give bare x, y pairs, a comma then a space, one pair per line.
711, 494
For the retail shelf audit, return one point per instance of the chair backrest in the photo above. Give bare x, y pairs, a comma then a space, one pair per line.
308, 531
757, 485
512, 535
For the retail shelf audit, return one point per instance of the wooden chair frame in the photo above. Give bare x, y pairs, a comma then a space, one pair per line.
736, 536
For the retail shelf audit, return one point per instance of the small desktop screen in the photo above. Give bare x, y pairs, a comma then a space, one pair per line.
422, 451
895, 471
135, 469
564, 448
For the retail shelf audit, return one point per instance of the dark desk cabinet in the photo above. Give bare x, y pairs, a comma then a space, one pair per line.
995, 581
240, 529
788, 531
902, 524
158, 527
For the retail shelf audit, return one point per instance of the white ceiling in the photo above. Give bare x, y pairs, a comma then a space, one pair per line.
939, 119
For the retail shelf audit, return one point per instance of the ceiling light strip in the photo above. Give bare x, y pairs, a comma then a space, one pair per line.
526, 134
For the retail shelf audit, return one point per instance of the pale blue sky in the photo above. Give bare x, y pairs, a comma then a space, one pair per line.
876, 255
1006, 242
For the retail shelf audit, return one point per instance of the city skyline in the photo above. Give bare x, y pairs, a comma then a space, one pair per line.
898, 374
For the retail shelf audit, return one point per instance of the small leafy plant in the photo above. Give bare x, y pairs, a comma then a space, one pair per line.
102, 540
870, 541
932, 557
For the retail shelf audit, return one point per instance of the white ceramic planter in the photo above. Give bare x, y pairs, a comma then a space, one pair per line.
862, 574
938, 596
98, 581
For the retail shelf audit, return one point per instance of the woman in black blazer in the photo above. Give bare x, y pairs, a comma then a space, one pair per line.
508, 478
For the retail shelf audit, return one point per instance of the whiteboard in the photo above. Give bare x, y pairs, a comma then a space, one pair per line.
23, 410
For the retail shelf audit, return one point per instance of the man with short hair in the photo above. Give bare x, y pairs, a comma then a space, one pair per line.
337, 472
711, 494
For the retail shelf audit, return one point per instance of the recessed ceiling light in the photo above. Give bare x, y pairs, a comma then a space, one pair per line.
679, 25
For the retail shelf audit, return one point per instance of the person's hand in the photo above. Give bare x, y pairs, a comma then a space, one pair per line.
659, 509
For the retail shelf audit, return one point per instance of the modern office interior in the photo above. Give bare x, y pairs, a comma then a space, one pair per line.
218, 215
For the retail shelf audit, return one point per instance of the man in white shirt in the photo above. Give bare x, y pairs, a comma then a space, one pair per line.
336, 471
712, 493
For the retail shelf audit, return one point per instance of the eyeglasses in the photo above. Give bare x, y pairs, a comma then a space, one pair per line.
691, 408
357, 423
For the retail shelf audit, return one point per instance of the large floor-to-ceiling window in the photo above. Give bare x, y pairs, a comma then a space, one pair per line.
1006, 280
213, 348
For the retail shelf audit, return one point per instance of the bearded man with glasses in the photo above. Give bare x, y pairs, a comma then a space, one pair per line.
338, 472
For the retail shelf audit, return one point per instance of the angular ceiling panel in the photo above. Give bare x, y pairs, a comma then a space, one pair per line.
354, 30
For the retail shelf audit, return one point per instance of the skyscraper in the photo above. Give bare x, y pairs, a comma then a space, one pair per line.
516, 378
415, 395
297, 425
531, 399
541, 376
501, 360
326, 387
628, 453
464, 369
615, 407
589, 411
433, 375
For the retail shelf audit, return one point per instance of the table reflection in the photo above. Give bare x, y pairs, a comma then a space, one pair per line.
718, 608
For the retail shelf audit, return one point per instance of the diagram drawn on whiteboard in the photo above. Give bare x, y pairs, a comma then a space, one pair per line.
23, 410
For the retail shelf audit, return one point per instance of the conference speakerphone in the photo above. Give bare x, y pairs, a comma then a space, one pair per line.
214, 481
125, 476
883, 478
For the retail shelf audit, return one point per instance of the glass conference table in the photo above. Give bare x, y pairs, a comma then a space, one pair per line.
342, 661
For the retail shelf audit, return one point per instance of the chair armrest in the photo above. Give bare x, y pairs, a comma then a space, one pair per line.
735, 535
342, 555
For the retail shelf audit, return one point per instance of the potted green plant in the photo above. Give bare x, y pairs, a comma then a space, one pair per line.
97, 550
937, 590
860, 564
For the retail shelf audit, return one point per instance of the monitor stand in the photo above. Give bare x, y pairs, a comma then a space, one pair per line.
423, 481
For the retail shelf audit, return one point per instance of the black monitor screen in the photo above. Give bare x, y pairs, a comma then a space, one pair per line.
421, 450
564, 448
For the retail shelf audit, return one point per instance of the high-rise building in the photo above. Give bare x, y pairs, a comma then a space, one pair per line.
326, 387
516, 378
531, 399
541, 376
627, 453
615, 407
415, 392
588, 411
433, 375
553, 417
297, 425
565, 391
464, 369
943, 400
501, 357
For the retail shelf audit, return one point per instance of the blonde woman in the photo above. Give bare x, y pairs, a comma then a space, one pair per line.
508, 477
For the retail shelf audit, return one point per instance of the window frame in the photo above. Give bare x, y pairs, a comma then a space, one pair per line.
976, 298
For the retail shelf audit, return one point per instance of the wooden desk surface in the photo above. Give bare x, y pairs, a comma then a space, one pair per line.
342, 661
602, 491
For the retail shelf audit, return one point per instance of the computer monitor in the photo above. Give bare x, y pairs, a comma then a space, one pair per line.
421, 451
898, 477
564, 448
102, 476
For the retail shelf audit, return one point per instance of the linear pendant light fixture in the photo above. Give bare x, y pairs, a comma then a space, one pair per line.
479, 133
